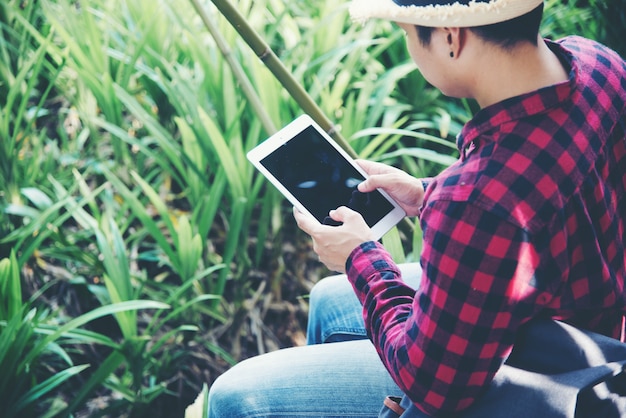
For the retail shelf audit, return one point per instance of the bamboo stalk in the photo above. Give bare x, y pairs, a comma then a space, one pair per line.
273, 63
238, 72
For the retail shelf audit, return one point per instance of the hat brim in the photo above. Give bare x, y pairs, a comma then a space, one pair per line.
454, 15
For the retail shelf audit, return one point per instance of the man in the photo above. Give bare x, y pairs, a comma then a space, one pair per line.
528, 224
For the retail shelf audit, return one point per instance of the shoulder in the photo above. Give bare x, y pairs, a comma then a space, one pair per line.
589, 50
595, 63
518, 178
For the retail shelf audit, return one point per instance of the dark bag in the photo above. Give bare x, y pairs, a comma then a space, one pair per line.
555, 370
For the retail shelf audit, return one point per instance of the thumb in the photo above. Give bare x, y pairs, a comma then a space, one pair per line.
367, 185
343, 213
374, 182
305, 222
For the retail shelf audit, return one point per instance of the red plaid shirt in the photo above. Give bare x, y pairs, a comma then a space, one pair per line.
528, 223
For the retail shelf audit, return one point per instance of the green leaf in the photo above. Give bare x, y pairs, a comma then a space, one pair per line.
37, 197
10, 287
44, 388
393, 244
189, 249
139, 210
105, 369
224, 155
94, 314
424, 154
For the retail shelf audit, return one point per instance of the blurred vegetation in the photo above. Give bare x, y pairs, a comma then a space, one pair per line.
140, 254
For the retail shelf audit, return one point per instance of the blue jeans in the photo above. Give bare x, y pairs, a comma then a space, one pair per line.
342, 379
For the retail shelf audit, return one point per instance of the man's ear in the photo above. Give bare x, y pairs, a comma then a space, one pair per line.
455, 40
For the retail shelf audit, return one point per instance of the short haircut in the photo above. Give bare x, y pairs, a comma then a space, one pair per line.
505, 34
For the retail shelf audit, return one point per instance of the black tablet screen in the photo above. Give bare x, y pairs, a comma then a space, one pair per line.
321, 179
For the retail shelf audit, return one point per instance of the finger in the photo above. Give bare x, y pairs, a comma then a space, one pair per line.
343, 213
304, 221
378, 181
364, 164
365, 186
371, 167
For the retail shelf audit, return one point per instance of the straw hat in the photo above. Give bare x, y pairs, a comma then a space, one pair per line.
439, 13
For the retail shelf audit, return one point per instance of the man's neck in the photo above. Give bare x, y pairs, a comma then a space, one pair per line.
507, 74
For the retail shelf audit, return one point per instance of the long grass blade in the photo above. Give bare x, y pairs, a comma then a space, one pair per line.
94, 314
44, 388
106, 369
10, 287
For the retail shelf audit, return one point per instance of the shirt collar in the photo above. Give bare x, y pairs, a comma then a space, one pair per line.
525, 105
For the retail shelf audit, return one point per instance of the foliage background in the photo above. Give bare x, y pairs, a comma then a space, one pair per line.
141, 254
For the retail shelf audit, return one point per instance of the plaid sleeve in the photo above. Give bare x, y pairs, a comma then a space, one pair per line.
443, 344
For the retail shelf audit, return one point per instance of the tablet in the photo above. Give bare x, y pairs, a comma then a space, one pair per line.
316, 175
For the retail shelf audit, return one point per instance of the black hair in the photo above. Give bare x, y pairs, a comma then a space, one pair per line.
505, 34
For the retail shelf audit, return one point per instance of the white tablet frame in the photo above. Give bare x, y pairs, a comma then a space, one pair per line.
290, 131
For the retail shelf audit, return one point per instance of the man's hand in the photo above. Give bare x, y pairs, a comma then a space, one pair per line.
402, 187
333, 244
